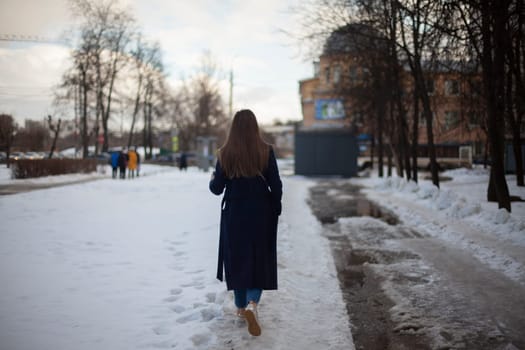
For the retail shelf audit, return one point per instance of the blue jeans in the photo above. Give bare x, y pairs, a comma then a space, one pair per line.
244, 296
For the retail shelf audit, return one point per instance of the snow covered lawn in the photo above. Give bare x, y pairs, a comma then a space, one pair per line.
114, 264
103, 171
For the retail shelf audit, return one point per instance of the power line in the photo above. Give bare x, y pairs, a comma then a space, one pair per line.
31, 38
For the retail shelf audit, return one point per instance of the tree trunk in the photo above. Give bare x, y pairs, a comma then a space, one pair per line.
427, 112
135, 112
415, 137
513, 120
400, 151
150, 130
55, 137
372, 150
518, 155
493, 62
380, 146
406, 153
85, 136
519, 95
8, 157
99, 109
107, 113
389, 169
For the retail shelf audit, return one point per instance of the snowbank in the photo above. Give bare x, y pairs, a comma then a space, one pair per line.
459, 213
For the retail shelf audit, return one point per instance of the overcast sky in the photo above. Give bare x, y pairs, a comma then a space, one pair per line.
243, 35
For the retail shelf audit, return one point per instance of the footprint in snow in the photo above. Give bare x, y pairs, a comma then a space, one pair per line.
178, 309
210, 313
201, 339
161, 330
211, 297
171, 299
191, 317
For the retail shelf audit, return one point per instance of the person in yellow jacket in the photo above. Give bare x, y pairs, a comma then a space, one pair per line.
132, 163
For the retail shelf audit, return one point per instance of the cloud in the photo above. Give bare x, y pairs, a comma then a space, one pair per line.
241, 35
27, 77
33, 17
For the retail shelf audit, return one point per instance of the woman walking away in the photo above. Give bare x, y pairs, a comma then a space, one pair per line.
247, 169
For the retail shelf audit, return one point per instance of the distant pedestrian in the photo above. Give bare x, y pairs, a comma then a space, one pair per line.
132, 163
114, 163
183, 161
247, 172
122, 163
138, 161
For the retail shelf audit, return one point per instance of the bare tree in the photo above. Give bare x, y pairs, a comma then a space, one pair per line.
78, 85
483, 27
8, 130
202, 107
150, 84
100, 55
515, 70
208, 103
117, 38
138, 56
154, 85
55, 128
419, 23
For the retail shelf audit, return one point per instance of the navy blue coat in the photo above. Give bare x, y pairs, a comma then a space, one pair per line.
248, 231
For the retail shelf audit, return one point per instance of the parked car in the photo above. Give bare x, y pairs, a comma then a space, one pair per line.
16, 155
164, 158
32, 155
102, 157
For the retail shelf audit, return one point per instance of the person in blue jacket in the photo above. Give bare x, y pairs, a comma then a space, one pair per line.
247, 173
114, 163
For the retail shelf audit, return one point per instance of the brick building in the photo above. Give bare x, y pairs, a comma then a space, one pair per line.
455, 100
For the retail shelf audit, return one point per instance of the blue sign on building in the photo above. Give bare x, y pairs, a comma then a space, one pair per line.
332, 108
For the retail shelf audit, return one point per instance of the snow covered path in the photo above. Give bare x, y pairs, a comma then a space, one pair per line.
433, 279
128, 264
308, 311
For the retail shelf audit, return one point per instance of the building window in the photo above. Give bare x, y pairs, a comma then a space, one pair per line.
423, 119
316, 69
327, 74
430, 86
451, 87
357, 118
451, 119
476, 88
366, 73
352, 75
474, 119
337, 74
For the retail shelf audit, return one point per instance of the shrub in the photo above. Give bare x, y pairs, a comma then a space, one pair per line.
28, 168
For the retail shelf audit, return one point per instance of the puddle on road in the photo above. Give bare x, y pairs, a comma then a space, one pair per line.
332, 200
367, 305
367, 208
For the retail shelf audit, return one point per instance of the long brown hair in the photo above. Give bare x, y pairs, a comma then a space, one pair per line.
244, 154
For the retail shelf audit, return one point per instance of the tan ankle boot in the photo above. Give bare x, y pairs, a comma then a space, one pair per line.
252, 319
